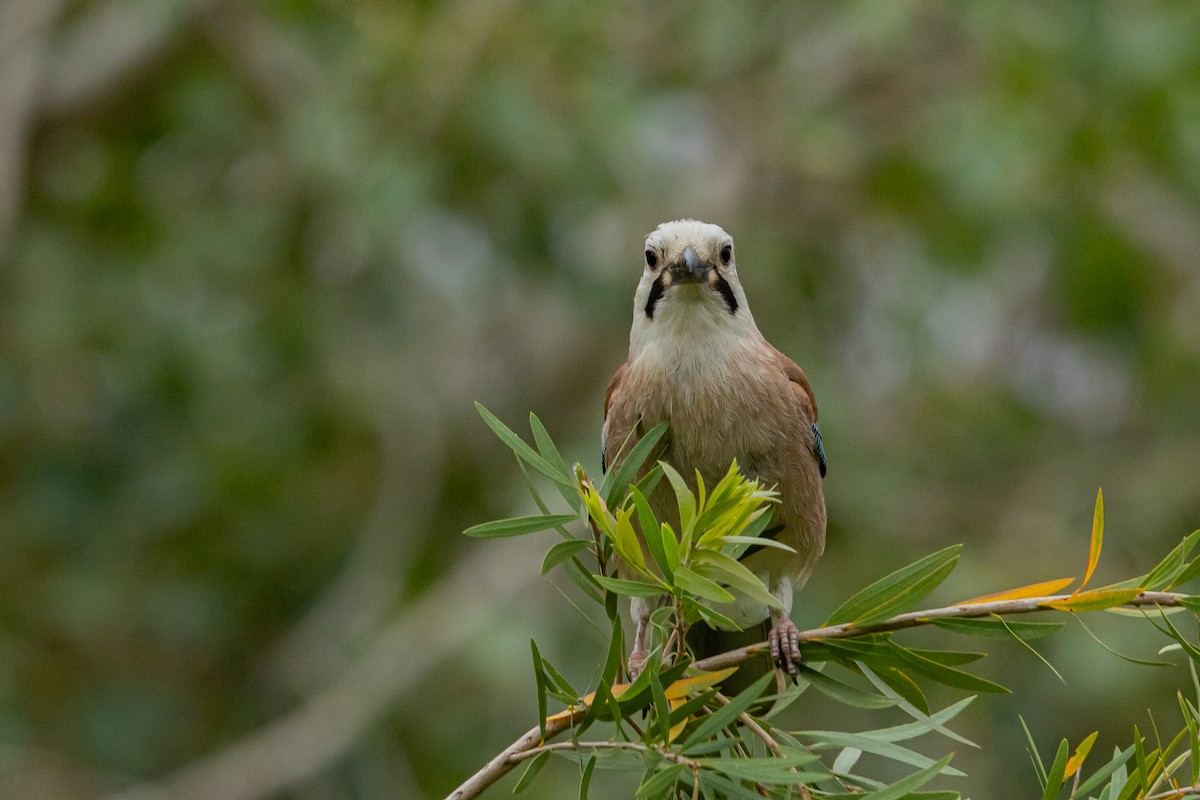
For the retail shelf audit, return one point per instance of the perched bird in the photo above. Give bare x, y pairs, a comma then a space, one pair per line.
697, 359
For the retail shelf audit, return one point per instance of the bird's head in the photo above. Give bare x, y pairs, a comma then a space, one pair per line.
690, 270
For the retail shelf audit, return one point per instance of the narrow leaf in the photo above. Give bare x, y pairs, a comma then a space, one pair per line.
1097, 540
997, 627
1075, 762
1095, 600
586, 779
1054, 778
628, 466
904, 586
518, 526
700, 586
904, 786
1042, 589
523, 450
629, 588
561, 551
944, 674
726, 714
531, 771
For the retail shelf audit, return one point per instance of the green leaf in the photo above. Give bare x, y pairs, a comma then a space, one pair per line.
912, 710
904, 786
627, 466
867, 744
662, 709
768, 769
629, 588
718, 566
585, 780
670, 547
531, 771
1099, 776
524, 451
685, 499
549, 452
700, 586
996, 628
583, 579
1034, 755
540, 678
561, 551
626, 542
944, 674
912, 730
659, 783
1054, 778
728, 788
1171, 569
844, 692
905, 586
652, 533
518, 526
726, 714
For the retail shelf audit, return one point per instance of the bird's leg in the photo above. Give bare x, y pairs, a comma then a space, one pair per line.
639, 610
783, 638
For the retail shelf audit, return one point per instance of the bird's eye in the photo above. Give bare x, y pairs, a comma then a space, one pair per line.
651, 259
726, 253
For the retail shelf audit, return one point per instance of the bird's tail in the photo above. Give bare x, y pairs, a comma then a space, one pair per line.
706, 641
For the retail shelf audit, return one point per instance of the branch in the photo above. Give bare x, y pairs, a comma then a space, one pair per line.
915, 619
519, 750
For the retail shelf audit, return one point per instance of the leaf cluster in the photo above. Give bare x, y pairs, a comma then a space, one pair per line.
686, 739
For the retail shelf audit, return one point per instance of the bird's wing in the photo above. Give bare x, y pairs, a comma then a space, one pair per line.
608, 432
802, 389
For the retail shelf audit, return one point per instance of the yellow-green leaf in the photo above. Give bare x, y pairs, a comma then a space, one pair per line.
1097, 539
1075, 763
1094, 600
1022, 592
518, 526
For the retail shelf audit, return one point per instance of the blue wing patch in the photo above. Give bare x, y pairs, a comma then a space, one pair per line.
819, 448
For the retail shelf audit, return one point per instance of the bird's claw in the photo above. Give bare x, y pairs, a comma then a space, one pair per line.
784, 640
637, 660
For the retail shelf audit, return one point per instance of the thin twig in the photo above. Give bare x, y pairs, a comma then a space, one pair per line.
1173, 794
639, 747
915, 619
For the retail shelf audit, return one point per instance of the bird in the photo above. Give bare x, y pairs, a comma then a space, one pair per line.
698, 360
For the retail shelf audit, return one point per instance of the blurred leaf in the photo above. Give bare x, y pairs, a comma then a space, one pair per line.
517, 526
1099, 776
658, 784
540, 680
921, 717
904, 587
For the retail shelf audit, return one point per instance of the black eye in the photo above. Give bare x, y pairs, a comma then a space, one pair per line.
651, 259
726, 253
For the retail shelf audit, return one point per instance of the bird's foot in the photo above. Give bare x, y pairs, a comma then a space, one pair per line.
785, 646
637, 660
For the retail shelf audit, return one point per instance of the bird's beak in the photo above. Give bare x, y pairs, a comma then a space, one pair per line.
689, 268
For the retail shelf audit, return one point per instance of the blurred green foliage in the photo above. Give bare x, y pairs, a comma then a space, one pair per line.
256, 261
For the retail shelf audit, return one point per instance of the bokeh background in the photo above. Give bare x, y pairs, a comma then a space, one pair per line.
257, 260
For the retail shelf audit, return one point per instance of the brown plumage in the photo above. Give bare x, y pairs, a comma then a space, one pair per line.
697, 359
